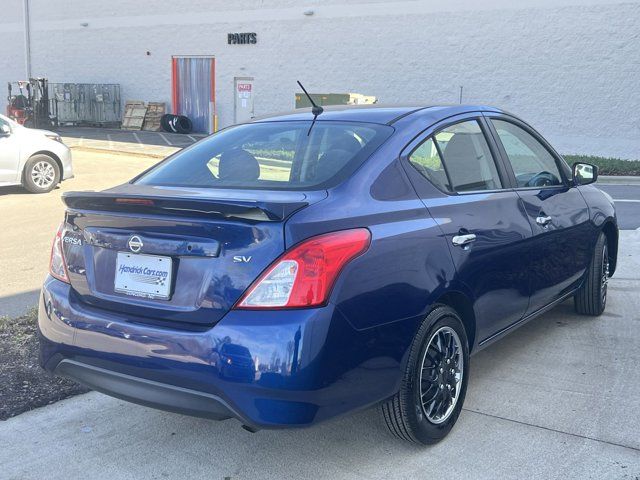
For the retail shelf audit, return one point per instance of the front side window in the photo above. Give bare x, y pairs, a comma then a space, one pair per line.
4, 126
10, 123
458, 159
532, 163
272, 155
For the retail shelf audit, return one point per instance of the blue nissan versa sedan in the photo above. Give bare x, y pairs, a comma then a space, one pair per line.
303, 266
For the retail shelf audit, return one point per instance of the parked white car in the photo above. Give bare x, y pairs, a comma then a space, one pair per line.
35, 159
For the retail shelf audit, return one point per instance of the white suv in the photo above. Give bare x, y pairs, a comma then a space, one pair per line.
35, 159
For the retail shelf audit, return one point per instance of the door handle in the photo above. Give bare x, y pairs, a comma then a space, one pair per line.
462, 240
543, 220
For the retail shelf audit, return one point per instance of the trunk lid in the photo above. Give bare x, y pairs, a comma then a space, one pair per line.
213, 243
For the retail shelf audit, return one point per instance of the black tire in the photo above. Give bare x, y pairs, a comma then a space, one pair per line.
176, 123
173, 124
164, 122
591, 299
183, 124
404, 414
38, 169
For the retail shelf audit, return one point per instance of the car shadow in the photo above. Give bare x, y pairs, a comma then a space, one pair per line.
512, 346
18, 190
13, 190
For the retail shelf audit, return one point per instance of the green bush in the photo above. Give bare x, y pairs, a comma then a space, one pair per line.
274, 154
607, 166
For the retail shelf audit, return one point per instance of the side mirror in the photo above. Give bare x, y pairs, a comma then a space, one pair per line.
584, 173
5, 130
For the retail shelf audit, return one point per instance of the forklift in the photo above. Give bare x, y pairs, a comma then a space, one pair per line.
29, 106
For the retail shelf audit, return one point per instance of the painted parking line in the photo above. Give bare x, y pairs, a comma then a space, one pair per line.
165, 139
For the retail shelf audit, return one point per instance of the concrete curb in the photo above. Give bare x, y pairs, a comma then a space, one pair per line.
619, 180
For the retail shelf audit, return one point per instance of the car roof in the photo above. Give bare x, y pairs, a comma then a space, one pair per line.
382, 114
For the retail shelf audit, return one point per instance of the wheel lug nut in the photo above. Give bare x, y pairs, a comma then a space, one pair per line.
441, 386
447, 360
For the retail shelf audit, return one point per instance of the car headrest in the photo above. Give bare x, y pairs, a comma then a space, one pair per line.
459, 148
346, 142
470, 170
238, 165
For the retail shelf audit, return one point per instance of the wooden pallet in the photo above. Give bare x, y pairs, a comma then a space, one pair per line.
155, 111
134, 113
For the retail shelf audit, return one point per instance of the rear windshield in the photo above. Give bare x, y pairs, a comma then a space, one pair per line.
272, 155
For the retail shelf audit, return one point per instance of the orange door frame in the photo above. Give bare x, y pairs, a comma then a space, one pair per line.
175, 95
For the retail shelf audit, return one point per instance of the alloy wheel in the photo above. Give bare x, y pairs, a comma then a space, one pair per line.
43, 174
604, 275
441, 375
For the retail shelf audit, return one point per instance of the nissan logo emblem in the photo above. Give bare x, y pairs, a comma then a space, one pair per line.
135, 244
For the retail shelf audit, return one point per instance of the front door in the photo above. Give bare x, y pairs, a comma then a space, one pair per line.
243, 99
481, 217
9, 153
558, 214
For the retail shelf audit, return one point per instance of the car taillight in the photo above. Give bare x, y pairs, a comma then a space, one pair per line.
304, 275
57, 264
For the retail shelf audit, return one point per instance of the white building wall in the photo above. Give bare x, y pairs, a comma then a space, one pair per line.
569, 67
12, 59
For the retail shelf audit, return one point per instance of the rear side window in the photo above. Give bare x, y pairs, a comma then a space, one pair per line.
458, 159
532, 163
427, 161
272, 155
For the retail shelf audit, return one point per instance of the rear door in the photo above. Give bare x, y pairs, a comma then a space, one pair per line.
557, 212
485, 226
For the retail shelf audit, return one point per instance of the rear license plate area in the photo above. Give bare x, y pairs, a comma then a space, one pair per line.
147, 276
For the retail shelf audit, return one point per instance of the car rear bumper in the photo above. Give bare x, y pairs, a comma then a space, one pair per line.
146, 392
306, 365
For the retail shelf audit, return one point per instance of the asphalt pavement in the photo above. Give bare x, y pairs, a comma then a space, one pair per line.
126, 142
85, 136
627, 200
30, 222
557, 399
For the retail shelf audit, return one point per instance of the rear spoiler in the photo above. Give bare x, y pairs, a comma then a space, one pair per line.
257, 211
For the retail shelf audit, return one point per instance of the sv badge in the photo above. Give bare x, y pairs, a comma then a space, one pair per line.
241, 259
